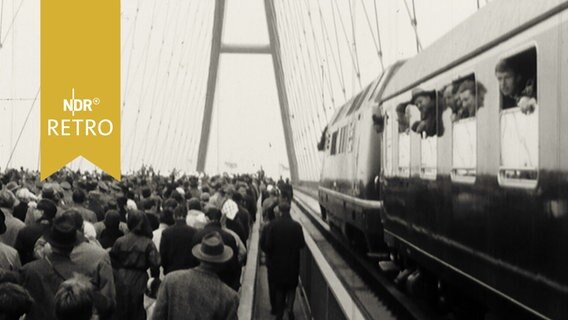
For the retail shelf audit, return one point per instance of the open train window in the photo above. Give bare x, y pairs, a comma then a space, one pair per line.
427, 127
403, 120
517, 80
388, 144
334, 143
464, 97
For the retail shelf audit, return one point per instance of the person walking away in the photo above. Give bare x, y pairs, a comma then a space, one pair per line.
283, 242
175, 244
15, 301
132, 255
79, 198
42, 277
230, 273
13, 225
74, 299
9, 258
111, 232
195, 217
199, 293
28, 236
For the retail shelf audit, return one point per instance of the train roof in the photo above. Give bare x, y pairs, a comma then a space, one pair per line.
487, 27
353, 104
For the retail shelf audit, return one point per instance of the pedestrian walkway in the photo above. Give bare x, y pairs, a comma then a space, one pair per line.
262, 301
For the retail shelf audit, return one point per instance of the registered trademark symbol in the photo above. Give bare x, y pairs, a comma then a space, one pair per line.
96, 101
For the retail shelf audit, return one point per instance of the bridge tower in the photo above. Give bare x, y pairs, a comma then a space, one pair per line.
273, 49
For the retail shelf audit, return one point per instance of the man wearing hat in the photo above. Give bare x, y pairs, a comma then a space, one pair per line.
426, 103
9, 258
231, 274
198, 293
42, 277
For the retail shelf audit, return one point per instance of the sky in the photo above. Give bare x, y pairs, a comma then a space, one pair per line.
165, 61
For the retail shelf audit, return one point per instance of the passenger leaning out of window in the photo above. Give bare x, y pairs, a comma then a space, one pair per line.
516, 89
426, 103
466, 93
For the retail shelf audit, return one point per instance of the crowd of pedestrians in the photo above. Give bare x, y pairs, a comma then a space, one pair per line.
84, 246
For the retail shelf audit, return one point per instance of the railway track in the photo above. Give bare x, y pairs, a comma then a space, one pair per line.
375, 294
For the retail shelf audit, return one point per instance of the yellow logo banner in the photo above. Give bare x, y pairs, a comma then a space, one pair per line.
80, 84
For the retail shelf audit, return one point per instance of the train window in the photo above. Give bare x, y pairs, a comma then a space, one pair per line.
388, 154
334, 143
374, 94
427, 128
404, 154
403, 139
358, 101
464, 96
341, 139
464, 148
516, 76
428, 156
350, 136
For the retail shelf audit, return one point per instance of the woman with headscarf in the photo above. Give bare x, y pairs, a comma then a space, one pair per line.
132, 255
111, 232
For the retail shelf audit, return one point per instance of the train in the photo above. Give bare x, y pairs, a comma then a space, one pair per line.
455, 161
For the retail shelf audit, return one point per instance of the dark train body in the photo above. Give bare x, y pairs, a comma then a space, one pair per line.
481, 203
348, 187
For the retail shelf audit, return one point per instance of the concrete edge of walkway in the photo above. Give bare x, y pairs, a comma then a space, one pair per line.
344, 299
247, 291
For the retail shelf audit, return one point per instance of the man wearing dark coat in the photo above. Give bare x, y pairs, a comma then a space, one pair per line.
28, 236
198, 293
282, 243
42, 277
174, 246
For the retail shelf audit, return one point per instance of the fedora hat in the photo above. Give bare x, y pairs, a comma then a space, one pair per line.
212, 249
63, 233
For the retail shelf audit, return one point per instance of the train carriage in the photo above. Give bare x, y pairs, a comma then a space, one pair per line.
472, 187
482, 201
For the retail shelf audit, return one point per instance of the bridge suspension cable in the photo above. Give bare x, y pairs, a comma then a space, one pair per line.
358, 68
11, 25
22, 129
414, 23
377, 41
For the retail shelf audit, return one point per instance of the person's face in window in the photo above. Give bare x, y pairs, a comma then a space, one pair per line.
507, 82
467, 100
449, 98
424, 103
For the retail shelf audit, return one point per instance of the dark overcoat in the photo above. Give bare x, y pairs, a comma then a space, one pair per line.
283, 241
